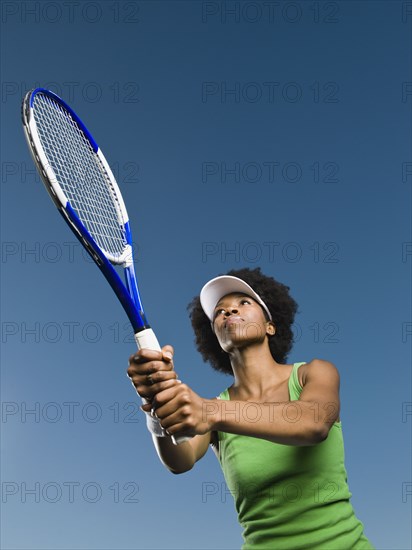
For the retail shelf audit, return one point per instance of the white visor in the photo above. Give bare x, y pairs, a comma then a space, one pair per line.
218, 287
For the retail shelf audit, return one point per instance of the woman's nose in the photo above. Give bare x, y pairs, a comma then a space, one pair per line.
231, 311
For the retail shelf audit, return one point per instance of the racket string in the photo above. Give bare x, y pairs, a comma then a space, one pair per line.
80, 174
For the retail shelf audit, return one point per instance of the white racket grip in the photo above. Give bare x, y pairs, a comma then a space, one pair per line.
146, 339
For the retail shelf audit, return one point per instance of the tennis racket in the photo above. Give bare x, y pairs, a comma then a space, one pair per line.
82, 186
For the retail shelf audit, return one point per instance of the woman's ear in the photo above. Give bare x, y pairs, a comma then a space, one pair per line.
270, 328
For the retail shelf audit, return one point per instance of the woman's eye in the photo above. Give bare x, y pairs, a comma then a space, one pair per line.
219, 312
245, 301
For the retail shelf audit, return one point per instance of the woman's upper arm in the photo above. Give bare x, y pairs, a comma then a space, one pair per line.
320, 380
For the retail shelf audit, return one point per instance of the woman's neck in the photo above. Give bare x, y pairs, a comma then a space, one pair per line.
255, 371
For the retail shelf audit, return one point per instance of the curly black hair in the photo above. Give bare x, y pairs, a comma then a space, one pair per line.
281, 305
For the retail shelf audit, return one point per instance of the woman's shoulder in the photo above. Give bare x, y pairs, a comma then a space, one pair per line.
315, 367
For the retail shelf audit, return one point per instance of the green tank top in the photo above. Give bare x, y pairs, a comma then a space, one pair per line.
289, 497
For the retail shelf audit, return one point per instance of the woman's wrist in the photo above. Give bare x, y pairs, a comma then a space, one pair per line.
212, 414
154, 426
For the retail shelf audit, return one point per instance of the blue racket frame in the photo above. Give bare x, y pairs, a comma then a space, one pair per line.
128, 291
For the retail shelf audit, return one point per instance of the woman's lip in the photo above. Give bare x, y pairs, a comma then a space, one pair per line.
232, 320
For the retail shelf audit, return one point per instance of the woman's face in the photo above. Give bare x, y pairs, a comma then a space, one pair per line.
239, 321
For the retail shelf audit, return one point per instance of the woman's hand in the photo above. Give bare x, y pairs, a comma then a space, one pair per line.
178, 408
151, 372
181, 411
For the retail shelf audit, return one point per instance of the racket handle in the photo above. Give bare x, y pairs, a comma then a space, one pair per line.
146, 339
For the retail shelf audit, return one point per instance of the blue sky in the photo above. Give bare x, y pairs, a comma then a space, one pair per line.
243, 134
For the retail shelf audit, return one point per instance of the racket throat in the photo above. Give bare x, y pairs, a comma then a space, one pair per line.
131, 284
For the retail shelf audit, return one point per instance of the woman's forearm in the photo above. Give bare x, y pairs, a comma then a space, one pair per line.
177, 458
297, 423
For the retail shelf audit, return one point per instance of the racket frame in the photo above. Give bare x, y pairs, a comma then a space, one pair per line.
128, 292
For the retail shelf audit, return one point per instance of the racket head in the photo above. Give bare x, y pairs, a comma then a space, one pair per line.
76, 173
82, 186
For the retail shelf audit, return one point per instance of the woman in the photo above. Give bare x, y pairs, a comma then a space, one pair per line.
275, 430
